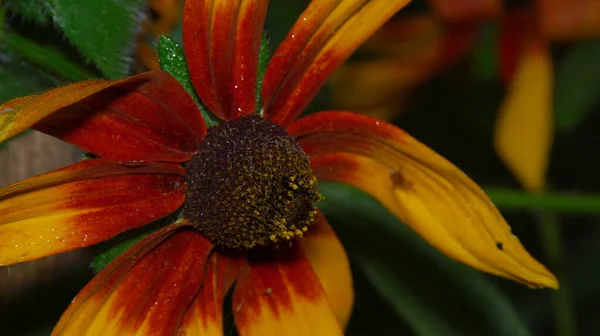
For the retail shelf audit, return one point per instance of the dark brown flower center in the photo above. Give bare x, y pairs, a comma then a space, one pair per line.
250, 185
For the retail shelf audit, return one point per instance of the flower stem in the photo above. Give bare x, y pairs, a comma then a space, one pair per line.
562, 299
548, 202
45, 58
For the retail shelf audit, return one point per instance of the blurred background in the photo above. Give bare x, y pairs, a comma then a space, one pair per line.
506, 90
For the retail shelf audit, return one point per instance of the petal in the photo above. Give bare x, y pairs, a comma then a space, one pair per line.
205, 316
516, 28
148, 117
145, 291
466, 10
569, 19
323, 37
330, 263
421, 188
222, 43
525, 128
84, 204
404, 53
279, 294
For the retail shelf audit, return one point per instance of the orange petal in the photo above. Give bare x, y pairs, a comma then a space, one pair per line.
279, 294
330, 263
222, 42
421, 188
148, 117
466, 10
84, 204
525, 128
405, 52
146, 291
323, 37
205, 316
569, 19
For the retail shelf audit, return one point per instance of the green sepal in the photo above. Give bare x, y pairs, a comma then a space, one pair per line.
172, 60
118, 245
577, 83
432, 293
264, 56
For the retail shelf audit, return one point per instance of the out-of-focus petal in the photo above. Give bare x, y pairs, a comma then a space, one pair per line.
421, 188
279, 294
369, 86
222, 43
525, 128
205, 315
466, 10
84, 204
328, 259
517, 28
569, 19
146, 291
405, 52
323, 37
148, 117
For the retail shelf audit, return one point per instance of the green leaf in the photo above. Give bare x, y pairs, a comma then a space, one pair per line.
366, 301
577, 83
34, 10
172, 60
104, 30
435, 295
118, 245
44, 57
110, 254
20, 78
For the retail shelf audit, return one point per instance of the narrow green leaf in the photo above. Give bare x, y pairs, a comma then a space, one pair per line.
577, 83
104, 30
20, 78
172, 60
366, 301
551, 202
435, 295
44, 58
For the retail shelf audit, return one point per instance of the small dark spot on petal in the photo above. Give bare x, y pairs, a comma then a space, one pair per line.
499, 246
399, 180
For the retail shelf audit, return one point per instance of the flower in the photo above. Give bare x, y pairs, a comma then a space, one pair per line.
408, 51
244, 190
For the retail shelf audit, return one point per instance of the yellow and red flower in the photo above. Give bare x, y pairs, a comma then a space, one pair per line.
410, 50
244, 190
